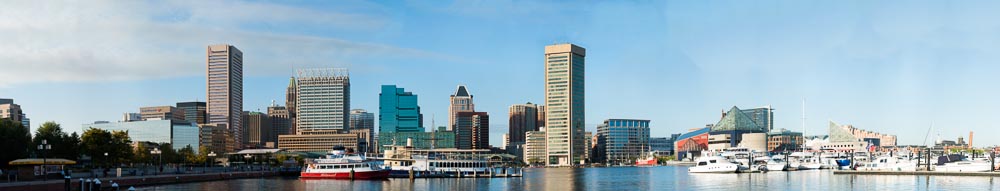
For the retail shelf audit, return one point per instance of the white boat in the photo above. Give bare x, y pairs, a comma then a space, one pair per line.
714, 164
958, 163
777, 163
339, 164
806, 161
433, 164
810, 164
888, 164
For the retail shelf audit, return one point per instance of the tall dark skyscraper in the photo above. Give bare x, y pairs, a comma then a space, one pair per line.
193, 111
281, 123
290, 105
225, 90
258, 130
472, 130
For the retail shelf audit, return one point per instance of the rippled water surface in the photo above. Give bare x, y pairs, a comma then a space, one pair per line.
625, 178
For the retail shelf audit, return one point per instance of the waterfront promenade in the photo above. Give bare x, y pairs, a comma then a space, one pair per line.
137, 181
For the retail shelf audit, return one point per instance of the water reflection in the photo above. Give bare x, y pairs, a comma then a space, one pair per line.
629, 178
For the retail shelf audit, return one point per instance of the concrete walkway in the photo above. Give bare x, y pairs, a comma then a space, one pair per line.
137, 181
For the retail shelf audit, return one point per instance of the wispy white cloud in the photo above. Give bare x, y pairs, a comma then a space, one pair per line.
73, 41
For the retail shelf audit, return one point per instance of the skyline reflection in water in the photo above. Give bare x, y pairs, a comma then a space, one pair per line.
623, 178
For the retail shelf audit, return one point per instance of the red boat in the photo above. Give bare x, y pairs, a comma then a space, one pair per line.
651, 161
340, 165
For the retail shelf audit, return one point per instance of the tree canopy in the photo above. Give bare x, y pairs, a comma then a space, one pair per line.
15, 138
66, 146
97, 142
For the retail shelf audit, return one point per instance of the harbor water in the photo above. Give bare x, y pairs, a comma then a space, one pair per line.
617, 178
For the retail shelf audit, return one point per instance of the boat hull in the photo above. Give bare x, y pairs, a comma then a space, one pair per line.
382, 174
714, 169
810, 166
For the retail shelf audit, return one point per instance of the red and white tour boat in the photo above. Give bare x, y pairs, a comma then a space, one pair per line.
339, 164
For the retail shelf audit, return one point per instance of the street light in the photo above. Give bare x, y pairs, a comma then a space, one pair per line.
157, 151
211, 155
247, 157
41, 149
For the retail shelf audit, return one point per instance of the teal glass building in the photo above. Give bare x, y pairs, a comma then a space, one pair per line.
398, 111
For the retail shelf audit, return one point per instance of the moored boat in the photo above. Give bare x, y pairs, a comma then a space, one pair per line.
648, 161
339, 164
888, 164
958, 163
714, 164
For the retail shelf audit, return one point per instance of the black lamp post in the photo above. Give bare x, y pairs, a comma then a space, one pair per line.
247, 159
157, 151
41, 150
210, 157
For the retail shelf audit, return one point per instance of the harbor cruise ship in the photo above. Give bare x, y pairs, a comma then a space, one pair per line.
339, 164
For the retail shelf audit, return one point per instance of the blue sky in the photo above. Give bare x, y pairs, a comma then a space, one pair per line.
889, 66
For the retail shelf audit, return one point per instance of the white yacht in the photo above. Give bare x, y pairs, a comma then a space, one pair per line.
777, 163
714, 164
806, 161
810, 163
888, 164
958, 163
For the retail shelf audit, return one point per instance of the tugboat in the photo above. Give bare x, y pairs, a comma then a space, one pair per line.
343, 164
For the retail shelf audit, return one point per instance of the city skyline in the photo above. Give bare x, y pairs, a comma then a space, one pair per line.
859, 70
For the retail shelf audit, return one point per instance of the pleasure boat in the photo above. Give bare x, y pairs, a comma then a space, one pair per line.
810, 163
888, 164
777, 163
805, 161
714, 164
340, 164
958, 163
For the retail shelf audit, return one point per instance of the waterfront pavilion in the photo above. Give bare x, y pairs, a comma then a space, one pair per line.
32, 168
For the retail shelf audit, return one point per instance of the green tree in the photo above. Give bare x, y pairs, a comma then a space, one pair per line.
121, 147
202, 155
96, 142
62, 145
186, 155
168, 153
16, 139
141, 154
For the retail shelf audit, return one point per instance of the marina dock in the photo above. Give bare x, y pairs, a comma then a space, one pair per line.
918, 173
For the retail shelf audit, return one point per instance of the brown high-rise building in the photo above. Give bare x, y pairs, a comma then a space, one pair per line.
472, 130
281, 123
225, 89
461, 101
258, 130
215, 137
161, 113
523, 118
541, 116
